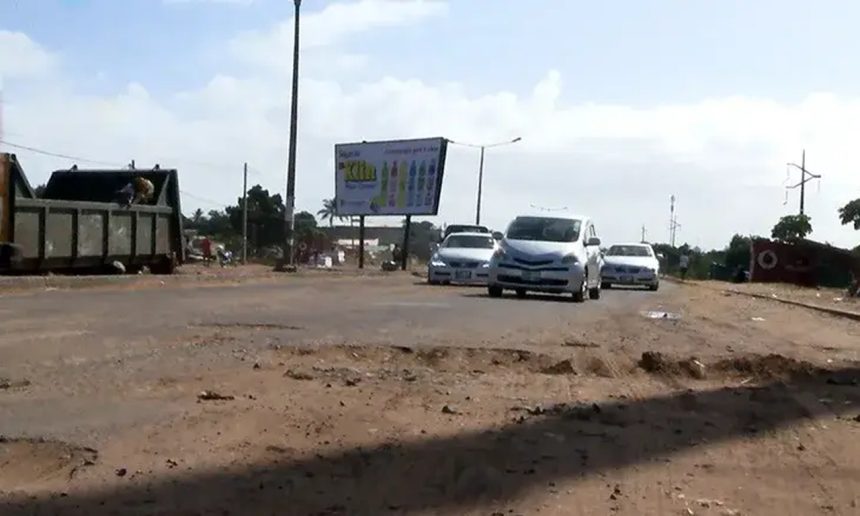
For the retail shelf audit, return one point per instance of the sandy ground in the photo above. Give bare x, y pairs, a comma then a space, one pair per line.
379, 395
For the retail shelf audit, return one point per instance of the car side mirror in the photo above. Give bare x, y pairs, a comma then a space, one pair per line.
593, 241
497, 235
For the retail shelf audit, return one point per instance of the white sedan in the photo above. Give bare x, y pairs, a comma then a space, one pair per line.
631, 264
462, 258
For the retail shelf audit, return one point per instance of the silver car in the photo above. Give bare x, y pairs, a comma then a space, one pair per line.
631, 264
462, 258
558, 254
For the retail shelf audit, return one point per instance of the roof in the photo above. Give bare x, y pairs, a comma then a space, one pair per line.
475, 234
554, 215
639, 244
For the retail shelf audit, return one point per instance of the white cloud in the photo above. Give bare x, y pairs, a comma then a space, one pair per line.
272, 47
20, 56
723, 157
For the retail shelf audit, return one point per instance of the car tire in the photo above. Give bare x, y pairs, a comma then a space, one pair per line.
521, 293
494, 291
594, 293
582, 294
606, 286
654, 287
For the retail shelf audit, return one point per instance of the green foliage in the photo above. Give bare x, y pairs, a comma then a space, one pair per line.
739, 252
40, 190
792, 227
850, 213
329, 212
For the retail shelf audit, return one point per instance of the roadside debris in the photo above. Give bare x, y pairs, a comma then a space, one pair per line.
6, 383
449, 409
298, 375
562, 367
656, 314
757, 319
213, 396
121, 472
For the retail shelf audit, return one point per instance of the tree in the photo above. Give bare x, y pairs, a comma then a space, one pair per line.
40, 190
738, 253
197, 217
265, 217
329, 212
850, 213
792, 228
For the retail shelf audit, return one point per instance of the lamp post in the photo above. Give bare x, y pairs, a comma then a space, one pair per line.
481, 169
289, 213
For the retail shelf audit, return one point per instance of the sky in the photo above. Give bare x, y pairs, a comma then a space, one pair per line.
619, 105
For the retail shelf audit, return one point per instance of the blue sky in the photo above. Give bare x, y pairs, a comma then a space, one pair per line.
635, 99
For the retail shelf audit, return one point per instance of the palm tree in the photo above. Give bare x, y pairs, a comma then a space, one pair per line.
329, 211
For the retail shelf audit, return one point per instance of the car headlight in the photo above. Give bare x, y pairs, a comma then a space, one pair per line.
485, 265
570, 259
436, 261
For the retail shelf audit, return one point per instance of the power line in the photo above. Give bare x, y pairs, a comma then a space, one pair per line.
58, 155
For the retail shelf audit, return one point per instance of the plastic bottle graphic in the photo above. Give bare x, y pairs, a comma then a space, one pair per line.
431, 183
392, 185
401, 184
413, 172
422, 177
383, 190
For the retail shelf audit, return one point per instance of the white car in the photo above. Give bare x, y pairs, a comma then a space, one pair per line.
557, 254
631, 264
462, 258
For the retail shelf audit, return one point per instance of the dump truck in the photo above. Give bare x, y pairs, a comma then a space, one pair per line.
77, 225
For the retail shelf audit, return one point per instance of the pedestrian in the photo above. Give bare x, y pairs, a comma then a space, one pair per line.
685, 265
206, 247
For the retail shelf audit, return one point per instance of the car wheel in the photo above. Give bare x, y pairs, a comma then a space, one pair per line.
494, 291
606, 286
654, 287
580, 295
594, 293
521, 293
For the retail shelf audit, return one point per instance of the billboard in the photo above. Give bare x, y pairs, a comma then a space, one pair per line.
400, 177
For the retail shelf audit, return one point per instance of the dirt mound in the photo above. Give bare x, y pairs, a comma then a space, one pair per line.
766, 366
25, 461
655, 362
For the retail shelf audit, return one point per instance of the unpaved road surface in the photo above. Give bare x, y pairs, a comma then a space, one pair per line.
380, 395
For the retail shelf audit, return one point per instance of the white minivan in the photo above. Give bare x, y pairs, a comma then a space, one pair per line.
557, 254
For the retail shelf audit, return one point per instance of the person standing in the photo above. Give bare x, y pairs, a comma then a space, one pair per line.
684, 264
206, 247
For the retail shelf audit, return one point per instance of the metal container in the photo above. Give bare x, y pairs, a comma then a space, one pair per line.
76, 225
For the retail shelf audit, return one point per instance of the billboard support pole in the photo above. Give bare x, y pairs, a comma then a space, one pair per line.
361, 242
405, 254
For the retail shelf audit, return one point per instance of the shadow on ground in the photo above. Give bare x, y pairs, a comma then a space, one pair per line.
454, 474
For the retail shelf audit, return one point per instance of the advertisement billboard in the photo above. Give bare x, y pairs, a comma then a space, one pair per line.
401, 177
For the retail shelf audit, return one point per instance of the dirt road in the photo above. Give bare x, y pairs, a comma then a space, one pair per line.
380, 395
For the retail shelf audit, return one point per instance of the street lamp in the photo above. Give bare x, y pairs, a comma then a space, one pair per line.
481, 169
289, 215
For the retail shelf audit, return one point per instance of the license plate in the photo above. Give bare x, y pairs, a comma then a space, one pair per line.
462, 275
531, 275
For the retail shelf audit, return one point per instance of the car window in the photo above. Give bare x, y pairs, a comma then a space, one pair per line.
545, 229
629, 250
470, 241
466, 229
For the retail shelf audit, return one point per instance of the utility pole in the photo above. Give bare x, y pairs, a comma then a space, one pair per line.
643, 234
480, 187
673, 221
805, 177
245, 215
483, 147
289, 215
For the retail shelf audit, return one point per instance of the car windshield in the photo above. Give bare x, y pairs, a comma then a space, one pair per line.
466, 229
629, 250
545, 229
470, 241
